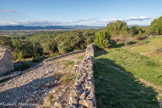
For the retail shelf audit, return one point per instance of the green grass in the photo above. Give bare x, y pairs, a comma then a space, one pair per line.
115, 89
140, 66
69, 62
148, 49
80, 57
118, 90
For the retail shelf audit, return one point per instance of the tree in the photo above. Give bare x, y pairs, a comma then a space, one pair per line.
156, 26
102, 39
148, 30
117, 29
37, 49
64, 47
136, 29
5, 41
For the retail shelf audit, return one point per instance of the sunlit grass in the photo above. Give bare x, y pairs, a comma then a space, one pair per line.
115, 89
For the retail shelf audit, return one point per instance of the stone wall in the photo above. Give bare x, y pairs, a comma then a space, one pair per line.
6, 62
83, 93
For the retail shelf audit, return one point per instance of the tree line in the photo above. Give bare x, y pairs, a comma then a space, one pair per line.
54, 43
48, 43
120, 30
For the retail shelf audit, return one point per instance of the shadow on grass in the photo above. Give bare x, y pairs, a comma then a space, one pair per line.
117, 45
115, 89
100, 52
121, 45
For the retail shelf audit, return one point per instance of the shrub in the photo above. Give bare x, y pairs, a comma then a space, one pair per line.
64, 47
102, 39
156, 26
69, 62
38, 59
25, 65
118, 29
22, 66
158, 51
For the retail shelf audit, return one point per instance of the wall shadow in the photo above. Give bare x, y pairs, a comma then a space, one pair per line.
100, 52
117, 45
121, 44
18, 72
11, 98
115, 89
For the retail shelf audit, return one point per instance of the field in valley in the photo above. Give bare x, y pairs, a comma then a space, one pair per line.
129, 76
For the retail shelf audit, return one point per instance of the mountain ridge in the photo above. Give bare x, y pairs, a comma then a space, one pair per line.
22, 27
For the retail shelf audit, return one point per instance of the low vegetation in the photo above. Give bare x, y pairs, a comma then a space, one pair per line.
102, 39
80, 57
120, 32
121, 87
118, 90
48, 43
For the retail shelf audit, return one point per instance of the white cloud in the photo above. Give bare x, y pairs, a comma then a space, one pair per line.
85, 21
141, 18
48, 23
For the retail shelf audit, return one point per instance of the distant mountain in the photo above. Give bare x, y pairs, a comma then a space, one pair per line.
21, 27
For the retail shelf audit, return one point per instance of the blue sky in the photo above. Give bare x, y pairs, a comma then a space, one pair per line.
78, 12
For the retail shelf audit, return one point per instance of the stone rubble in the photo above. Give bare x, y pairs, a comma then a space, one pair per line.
31, 86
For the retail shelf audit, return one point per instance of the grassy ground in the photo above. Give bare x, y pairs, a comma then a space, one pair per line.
115, 88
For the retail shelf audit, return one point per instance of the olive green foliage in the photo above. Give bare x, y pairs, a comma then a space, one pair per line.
5, 41
25, 49
156, 26
48, 43
102, 39
118, 29
136, 29
148, 30
74, 40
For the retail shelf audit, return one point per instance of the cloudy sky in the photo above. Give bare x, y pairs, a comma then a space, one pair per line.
78, 12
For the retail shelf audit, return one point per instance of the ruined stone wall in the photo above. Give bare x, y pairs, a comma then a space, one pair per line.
6, 62
83, 93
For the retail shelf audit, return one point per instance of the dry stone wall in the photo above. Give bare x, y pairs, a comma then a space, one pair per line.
6, 62
83, 93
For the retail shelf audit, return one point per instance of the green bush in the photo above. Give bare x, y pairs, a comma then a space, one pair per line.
158, 51
156, 26
38, 59
22, 66
102, 39
64, 47
118, 29
25, 65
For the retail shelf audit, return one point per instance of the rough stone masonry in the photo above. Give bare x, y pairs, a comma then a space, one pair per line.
83, 93
6, 62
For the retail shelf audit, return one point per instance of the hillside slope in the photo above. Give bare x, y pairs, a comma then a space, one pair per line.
135, 69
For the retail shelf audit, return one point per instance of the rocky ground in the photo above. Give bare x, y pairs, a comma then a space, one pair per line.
28, 89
